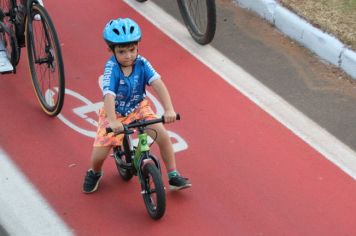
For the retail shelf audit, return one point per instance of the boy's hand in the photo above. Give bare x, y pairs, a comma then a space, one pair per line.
169, 116
116, 126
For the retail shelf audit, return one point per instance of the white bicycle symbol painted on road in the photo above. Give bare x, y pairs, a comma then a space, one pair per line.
179, 143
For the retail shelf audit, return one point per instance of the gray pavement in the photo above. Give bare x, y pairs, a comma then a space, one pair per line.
326, 46
321, 91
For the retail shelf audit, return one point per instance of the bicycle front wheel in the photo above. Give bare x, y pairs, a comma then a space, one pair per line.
153, 192
200, 18
45, 60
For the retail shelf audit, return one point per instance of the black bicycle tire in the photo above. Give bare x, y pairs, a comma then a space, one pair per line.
125, 174
13, 44
204, 37
156, 211
42, 12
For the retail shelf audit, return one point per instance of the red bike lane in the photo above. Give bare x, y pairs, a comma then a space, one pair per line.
250, 175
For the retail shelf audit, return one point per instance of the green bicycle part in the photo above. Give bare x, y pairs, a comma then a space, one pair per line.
141, 148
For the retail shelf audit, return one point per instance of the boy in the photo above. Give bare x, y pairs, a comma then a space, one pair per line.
126, 75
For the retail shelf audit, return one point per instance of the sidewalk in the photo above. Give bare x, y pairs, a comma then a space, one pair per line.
326, 46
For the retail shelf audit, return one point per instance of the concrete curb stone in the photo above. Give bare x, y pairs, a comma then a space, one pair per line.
326, 46
348, 62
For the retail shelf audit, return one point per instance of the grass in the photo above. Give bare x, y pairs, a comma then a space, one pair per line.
336, 17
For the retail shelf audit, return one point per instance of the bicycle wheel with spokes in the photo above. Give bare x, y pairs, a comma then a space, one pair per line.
153, 192
200, 18
45, 60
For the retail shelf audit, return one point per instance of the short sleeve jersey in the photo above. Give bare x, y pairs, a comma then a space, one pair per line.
130, 90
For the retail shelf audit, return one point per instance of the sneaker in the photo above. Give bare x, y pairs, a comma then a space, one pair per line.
91, 181
178, 182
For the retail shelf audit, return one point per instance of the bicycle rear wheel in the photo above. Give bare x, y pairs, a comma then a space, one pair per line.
200, 18
153, 192
45, 60
123, 161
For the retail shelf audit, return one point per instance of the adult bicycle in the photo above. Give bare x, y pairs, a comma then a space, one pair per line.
138, 160
26, 23
199, 17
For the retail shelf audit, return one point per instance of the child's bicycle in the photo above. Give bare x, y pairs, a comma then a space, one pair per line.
27, 22
138, 160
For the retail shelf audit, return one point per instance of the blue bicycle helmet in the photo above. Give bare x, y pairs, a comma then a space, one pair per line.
121, 31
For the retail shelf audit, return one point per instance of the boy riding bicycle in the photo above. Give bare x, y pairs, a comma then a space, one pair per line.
126, 76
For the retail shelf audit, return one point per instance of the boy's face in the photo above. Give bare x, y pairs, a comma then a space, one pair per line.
126, 56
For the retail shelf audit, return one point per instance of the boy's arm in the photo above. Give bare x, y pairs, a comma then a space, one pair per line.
161, 90
109, 106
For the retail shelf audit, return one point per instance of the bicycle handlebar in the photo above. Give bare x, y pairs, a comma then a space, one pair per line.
141, 123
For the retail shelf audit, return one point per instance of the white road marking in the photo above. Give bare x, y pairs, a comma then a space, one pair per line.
317, 137
179, 144
23, 211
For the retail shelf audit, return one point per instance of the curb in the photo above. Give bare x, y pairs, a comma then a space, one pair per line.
326, 46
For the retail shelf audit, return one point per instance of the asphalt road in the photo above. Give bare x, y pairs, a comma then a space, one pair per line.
322, 92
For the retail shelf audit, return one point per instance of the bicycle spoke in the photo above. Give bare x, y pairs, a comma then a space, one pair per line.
200, 18
45, 61
197, 9
151, 191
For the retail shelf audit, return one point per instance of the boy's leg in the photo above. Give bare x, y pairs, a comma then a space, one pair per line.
165, 146
176, 181
98, 156
93, 176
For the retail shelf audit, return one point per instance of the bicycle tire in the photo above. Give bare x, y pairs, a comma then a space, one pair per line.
155, 205
45, 62
200, 26
7, 36
125, 173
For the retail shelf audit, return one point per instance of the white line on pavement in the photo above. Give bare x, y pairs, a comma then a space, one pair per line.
317, 137
23, 211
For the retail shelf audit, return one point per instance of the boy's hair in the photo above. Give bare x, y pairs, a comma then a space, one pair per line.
123, 45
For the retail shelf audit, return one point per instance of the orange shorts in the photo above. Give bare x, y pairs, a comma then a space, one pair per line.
102, 139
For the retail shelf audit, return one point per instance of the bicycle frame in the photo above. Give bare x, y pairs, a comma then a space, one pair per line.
12, 14
141, 152
142, 147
